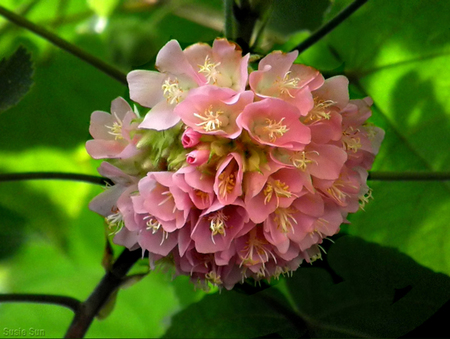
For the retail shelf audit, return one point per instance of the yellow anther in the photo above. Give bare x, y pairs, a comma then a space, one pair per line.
226, 184
288, 83
275, 129
218, 224
116, 128
211, 120
213, 278
209, 70
284, 219
172, 91
320, 110
279, 188
301, 161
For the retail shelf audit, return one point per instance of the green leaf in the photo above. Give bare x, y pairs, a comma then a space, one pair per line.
400, 59
290, 16
235, 315
15, 78
12, 231
372, 291
103, 8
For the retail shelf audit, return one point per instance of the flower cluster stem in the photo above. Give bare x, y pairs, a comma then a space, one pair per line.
111, 281
92, 179
65, 45
329, 26
68, 302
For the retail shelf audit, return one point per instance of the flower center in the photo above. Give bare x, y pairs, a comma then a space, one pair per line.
226, 184
287, 84
301, 161
272, 129
213, 278
350, 141
284, 219
154, 226
116, 128
202, 195
211, 120
172, 91
279, 188
115, 221
336, 193
209, 70
320, 110
255, 251
169, 196
218, 224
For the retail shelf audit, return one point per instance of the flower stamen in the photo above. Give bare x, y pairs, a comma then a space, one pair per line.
172, 91
209, 70
275, 129
116, 128
211, 120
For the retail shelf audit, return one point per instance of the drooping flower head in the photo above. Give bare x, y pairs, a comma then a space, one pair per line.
232, 173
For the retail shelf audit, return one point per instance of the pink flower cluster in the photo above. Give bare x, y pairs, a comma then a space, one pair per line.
232, 173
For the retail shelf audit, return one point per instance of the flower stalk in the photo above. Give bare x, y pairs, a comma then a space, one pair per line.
65, 45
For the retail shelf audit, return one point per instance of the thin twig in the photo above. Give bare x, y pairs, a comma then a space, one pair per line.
104, 290
65, 45
328, 27
409, 176
68, 302
92, 179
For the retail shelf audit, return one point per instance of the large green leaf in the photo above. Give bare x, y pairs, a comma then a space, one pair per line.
234, 315
398, 52
373, 291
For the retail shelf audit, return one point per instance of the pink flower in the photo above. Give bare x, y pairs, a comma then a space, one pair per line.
222, 64
111, 132
278, 77
276, 123
163, 90
247, 171
213, 110
228, 180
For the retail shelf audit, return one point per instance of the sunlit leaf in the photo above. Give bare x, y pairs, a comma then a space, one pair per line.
401, 59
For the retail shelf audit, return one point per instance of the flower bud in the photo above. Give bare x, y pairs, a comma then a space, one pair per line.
190, 138
197, 157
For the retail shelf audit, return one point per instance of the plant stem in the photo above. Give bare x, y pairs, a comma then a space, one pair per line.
68, 302
107, 286
409, 176
328, 27
92, 179
229, 23
65, 45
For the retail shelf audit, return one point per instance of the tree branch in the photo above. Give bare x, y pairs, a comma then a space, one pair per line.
68, 302
328, 27
92, 179
107, 286
65, 45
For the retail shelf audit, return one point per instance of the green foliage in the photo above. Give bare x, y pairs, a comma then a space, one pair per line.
396, 52
15, 78
361, 290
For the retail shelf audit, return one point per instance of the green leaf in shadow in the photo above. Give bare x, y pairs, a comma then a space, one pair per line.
383, 293
235, 315
15, 78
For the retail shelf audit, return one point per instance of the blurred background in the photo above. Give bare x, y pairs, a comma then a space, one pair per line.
397, 52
